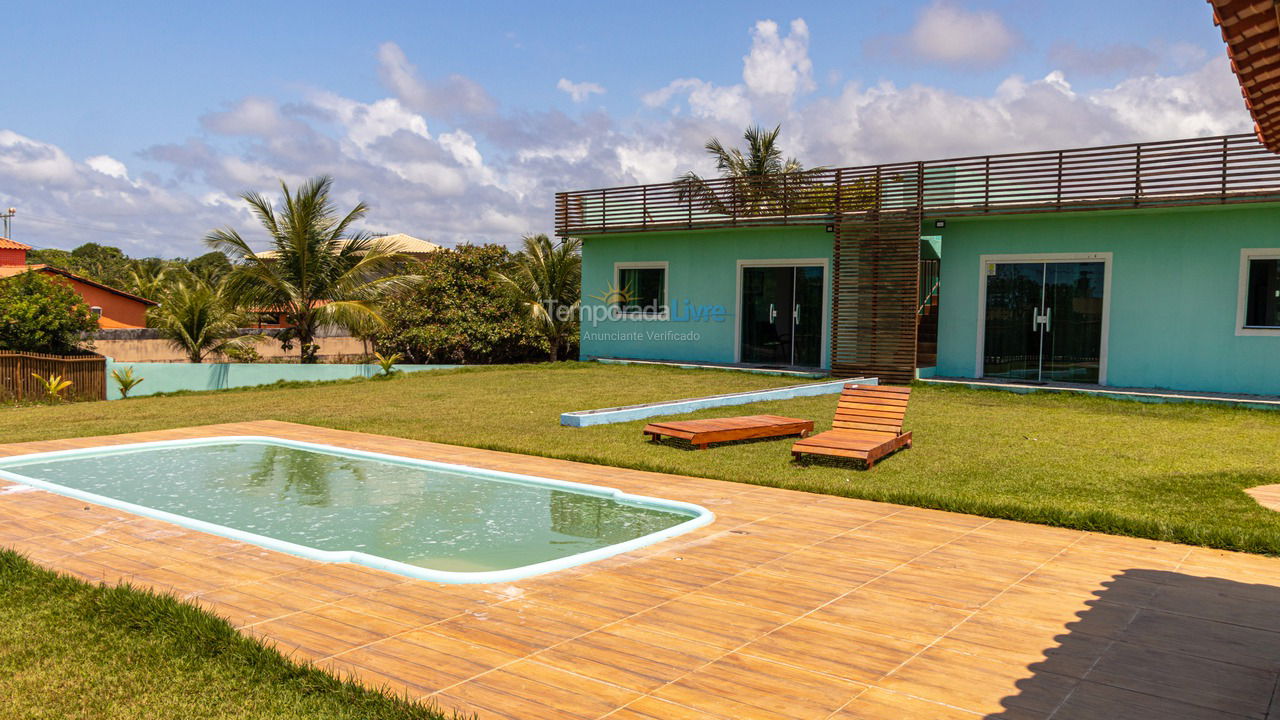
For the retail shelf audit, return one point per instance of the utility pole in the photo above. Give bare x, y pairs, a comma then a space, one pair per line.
8, 216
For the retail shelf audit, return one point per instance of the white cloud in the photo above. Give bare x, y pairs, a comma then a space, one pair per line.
888, 123
456, 96
367, 122
1203, 102
579, 91
727, 104
778, 65
649, 164
946, 33
108, 165
28, 160
255, 116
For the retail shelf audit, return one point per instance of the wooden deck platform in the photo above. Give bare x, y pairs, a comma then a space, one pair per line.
790, 605
701, 433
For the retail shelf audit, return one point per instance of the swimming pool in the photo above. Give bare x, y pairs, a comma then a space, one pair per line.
430, 520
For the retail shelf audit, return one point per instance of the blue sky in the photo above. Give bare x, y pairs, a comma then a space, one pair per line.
137, 125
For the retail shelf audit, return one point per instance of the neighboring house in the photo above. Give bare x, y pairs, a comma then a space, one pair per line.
114, 308
1142, 265
399, 242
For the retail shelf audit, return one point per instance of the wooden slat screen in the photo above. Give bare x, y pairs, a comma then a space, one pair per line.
1215, 170
87, 373
875, 281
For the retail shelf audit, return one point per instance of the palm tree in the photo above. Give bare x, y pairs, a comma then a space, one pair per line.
760, 181
199, 320
546, 279
318, 272
150, 278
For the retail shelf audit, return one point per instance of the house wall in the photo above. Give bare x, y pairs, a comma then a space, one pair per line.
146, 345
702, 268
118, 308
13, 256
1174, 291
175, 377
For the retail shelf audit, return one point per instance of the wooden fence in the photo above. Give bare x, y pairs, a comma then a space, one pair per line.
87, 373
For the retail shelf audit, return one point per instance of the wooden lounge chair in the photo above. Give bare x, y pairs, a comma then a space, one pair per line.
701, 433
867, 426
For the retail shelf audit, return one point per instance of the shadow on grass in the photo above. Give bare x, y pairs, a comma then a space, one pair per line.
1157, 645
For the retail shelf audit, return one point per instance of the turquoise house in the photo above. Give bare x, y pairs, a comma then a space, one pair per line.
1153, 265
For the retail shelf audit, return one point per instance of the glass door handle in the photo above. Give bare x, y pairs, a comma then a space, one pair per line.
1035, 319
1048, 319
773, 313
795, 317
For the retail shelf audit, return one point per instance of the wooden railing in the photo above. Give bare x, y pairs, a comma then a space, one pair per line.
87, 373
1215, 170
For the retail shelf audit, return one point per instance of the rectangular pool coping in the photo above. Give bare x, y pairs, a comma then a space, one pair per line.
700, 515
1144, 395
628, 413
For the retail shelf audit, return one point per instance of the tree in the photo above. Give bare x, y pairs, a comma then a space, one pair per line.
150, 278
760, 181
199, 320
103, 263
546, 279
320, 273
457, 312
210, 267
41, 314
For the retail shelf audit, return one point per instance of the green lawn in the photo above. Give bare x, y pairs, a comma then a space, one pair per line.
73, 650
1171, 472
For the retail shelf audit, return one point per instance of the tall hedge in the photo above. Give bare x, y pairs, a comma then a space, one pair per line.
41, 314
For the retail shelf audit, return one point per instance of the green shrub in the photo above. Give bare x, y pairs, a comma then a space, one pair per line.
458, 313
125, 380
41, 314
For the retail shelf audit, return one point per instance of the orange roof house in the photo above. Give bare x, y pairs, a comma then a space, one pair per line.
114, 308
12, 252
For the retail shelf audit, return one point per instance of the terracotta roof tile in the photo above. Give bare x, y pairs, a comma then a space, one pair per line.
7, 244
1251, 29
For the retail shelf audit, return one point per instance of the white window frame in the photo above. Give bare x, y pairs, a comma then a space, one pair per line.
824, 263
985, 260
1242, 298
665, 313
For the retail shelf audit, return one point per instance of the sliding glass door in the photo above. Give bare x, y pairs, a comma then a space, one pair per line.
781, 320
1044, 321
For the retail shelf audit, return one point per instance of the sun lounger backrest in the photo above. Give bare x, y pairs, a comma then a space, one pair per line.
872, 408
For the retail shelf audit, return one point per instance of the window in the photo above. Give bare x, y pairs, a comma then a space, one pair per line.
642, 289
1262, 293
1258, 311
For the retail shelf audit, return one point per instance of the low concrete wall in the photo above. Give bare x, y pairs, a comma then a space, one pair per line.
627, 413
146, 345
159, 377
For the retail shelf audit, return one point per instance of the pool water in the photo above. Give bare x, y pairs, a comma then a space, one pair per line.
345, 505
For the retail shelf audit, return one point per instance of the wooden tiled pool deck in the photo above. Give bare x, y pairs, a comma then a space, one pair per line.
790, 605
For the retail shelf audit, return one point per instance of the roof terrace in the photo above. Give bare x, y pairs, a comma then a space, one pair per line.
1195, 171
